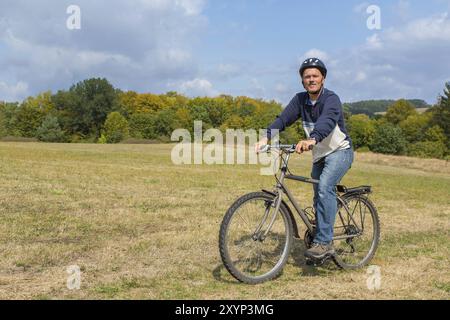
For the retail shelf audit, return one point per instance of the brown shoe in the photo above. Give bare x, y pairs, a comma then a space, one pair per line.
319, 251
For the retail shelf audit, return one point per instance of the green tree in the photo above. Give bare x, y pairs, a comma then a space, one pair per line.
291, 135
164, 124
42, 102
436, 134
245, 106
399, 111
414, 126
115, 128
9, 113
347, 112
388, 139
361, 130
217, 110
29, 118
233, 122
299, 130
265, 113
199, 113
50, 131
173, 99
84, 108
32, 112
441, 113
148, 103
2, 125
102, 139
127, 102
434, 145
142, 125
183, 119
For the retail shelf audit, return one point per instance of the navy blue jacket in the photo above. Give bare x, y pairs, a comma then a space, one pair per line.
324, 121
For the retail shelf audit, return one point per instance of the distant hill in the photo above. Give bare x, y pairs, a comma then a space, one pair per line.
419, 110
372, 107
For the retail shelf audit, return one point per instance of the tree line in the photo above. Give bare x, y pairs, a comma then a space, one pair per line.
93, 111
404, 131
372, 107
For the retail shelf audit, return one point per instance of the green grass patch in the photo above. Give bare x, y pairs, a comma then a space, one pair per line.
414, 244
443, 286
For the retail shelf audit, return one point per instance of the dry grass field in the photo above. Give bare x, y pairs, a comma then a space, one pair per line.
140, 227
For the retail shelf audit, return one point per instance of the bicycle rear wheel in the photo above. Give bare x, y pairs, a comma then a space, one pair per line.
360, 226
246, 255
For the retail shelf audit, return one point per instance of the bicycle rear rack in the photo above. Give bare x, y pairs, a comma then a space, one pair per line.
356, 190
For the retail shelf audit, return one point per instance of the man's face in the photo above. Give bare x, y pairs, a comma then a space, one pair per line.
313, 80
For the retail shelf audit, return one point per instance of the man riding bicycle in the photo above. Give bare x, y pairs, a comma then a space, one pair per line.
323, 121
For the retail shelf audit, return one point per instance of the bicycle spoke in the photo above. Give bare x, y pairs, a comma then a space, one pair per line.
363, 216
245, 222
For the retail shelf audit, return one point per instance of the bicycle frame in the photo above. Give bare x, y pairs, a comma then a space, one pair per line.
281, 189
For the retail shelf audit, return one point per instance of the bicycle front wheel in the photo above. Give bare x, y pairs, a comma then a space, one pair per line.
246, 253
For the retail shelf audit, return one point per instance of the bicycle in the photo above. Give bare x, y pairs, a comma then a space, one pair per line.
257, 231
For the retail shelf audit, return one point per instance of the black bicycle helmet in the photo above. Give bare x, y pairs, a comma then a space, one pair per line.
313, 63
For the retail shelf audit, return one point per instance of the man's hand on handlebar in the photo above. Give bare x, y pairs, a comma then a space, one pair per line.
305, 145
260, 143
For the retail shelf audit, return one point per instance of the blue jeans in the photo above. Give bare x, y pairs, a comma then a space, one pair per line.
329, 170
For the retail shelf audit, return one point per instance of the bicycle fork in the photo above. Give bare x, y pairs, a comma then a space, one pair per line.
259, 234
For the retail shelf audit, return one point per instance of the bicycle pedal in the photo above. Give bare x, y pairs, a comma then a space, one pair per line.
310, 262
314, 262
318, 262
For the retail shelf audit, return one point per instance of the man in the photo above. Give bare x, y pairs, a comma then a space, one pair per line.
323, 121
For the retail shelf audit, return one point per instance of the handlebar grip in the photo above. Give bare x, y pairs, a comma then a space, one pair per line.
264, 148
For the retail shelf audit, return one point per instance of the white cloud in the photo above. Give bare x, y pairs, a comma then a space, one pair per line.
409, 61
139, 45
192, 7
314, 53
13, 92
435, 28
361, 76
198, 87
374, 42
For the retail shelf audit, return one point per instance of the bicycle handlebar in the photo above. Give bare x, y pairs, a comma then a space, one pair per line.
289, 148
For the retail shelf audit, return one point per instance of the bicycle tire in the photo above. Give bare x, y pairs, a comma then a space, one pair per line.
224, 237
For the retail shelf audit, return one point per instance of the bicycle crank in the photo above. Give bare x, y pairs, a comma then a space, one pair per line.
308, 239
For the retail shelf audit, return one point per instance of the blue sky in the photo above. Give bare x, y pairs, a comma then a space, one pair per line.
211, 47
